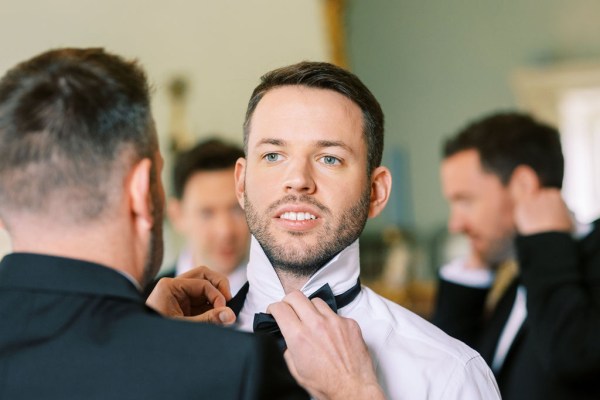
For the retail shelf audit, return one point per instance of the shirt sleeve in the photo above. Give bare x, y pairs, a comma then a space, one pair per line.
472, 381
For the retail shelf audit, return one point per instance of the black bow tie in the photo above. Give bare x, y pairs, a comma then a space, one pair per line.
266, 324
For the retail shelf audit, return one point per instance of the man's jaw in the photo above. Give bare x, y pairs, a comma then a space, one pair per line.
493, 253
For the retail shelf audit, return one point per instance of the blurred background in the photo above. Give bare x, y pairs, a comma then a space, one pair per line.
434, 66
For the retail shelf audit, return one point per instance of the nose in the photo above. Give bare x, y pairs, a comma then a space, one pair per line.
225, 226
456, 222
299, 178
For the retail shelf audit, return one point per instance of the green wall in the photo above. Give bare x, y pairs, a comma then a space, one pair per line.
434, 65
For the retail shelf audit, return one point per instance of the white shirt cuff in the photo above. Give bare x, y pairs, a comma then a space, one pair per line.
456, 272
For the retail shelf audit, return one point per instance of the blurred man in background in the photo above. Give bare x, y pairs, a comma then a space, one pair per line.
488, 169
205, 212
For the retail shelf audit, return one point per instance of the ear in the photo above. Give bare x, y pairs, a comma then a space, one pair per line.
381, 187
240, 184
524, 181
139, 195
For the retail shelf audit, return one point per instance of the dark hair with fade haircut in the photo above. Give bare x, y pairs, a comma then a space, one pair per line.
321, 75
67, 119
209, 155
506, 140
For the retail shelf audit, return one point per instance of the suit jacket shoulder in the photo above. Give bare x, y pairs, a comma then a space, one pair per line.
77, 330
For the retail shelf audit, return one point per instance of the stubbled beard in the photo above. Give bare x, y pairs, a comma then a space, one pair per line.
154, 256
335, 235
500, 251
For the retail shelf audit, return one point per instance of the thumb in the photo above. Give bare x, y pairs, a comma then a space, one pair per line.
217, 316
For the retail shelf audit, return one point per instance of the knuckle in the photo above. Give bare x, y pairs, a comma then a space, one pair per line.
319, 324
318, 301
294, 295
164, 283
353, 326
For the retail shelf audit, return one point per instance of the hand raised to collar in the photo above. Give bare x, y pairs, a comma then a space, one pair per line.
326, 353
198, 295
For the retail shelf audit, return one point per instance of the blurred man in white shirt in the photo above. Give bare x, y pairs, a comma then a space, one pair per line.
206, 213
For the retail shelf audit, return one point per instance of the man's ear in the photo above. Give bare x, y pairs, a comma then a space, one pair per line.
240, 184
523, 182
381, 187
139, 195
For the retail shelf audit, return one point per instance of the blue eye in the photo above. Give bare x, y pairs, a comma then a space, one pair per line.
330, 160
272, 157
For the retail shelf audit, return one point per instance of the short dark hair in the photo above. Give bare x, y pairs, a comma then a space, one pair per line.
210, 155
323, 75
67, 118
506, 140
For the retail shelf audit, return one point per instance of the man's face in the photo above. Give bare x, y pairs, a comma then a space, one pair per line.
480, 206
212, 221
304, 183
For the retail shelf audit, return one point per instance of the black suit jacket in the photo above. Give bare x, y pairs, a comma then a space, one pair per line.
527, 372
70, 329
562, 277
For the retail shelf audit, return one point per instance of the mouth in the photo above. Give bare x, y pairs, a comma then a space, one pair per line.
297, 216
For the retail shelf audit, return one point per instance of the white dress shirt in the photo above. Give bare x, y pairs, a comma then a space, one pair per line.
413, 359
237, 278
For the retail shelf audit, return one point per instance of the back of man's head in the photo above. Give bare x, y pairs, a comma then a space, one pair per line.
506, 140
209, 155
72, 121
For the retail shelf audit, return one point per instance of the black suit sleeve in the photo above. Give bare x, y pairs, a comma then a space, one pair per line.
268, 376
562, 278
459, 311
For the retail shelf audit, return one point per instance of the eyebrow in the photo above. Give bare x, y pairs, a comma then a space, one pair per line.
274, 142
334, 143
319, 143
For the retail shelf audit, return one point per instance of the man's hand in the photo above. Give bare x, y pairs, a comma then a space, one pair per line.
325, 353
542, 211
198, 295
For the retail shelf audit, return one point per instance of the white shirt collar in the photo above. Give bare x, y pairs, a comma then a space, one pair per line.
340, 273
237, 279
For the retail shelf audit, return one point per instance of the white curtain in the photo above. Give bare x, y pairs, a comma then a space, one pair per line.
579, 115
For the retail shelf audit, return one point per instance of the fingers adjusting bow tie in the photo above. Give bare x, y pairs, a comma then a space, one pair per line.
265, 323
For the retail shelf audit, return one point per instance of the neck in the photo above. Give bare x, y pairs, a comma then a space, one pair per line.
289, 281
103, 244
